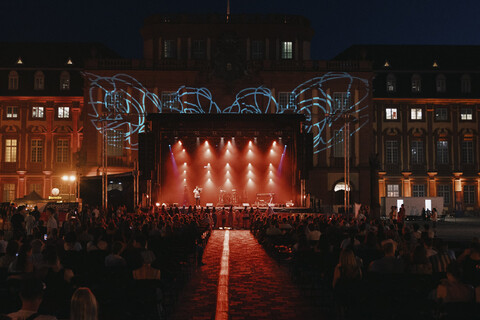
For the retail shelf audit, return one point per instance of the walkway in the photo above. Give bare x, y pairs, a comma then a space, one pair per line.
257, 287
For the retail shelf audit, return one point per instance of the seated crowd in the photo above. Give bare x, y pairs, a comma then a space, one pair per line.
130, 263
380, 269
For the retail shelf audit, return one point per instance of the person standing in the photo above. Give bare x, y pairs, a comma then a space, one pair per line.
434, 218
401, 214
196, 195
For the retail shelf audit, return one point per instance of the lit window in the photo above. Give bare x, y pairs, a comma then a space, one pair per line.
38, 112
441, 114
466, 114
198, 49
416, 114
116, 102
12, 112
391, 83
469, 194
442, 152
63, 147
444, 190
170, 100
418, 190
63, 112
416, 83
467, 152
169, 49
258, 49
65, 80
287, 50
393, 190
11, 150
286, 100
466, 84
39, 83
37, 150
13, 80
341, 101
114, 143
391, 151
391, 114
441, 83
416, 152
8, 192
338, 146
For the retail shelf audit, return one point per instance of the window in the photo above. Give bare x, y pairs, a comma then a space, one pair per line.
442, 152
169, 49
391, 83
63, 147
37, 187
258, 49
338, 147
469, 194
466, 114
418, 190
467, 152
391, 148
198, 49
443, 190
114, 143
286, 100
441, 83
393, 190
466, 84
441, 114
11, 150
12, 113
170, 100
13, 80
8, 192
116, 102
65, 80
287, 50
416, 152
38, 112
416, 114
39, 81
416, 83
341, 101
391, 114
37, 150
63, 112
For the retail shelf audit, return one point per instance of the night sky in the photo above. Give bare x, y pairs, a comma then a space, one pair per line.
337, 23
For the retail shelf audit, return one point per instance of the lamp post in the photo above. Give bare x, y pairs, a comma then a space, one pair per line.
70, 179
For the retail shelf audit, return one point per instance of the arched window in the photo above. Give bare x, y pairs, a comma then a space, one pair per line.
39, 81
416, 83
466, 84
391, 83
441, 83
13, 80
65, 80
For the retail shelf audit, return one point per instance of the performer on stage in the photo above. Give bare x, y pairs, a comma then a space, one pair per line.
196, 195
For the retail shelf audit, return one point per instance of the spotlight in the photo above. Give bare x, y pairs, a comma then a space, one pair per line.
274, 143
249, 164
271, 151
183, 150
206, 142
185, 164
228, 165
249, 179
271, 180
157, 204
229, 143
184, 179
250, 143
271, 165
184, 171
179, 142
208, 164
209, 180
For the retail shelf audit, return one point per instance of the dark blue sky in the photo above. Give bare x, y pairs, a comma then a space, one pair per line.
337, 23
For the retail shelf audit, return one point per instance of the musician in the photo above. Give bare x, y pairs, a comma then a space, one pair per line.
196, 195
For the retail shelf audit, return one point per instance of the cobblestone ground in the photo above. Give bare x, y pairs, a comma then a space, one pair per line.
258, 287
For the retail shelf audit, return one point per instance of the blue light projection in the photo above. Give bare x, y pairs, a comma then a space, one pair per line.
124, 103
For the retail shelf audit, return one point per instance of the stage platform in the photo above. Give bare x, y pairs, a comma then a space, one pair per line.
275, 209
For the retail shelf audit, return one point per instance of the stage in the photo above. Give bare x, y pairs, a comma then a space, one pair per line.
230, 159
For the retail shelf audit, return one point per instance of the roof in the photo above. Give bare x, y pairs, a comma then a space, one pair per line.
415, 57
51, 54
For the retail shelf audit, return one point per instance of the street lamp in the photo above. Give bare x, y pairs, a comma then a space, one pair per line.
71, 179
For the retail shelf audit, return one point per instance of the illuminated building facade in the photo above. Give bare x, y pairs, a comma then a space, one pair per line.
426, 121
234, 64
41, 105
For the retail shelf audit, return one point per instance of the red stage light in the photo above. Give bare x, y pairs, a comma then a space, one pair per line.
185, 164
271, 151
183, 150
206, 142
271, 180
179, 142
184, 171
274, 143
250, 143
228, 165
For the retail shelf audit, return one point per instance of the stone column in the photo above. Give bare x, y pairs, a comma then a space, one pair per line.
432, 188
407, 187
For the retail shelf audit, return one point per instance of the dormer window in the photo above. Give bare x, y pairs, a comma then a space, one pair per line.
466, 84
286, 50
441, 83
39, 81
13, 80
391, 83
387, 64
416, 83
19, 60
69, 61
65, 80
435, 64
